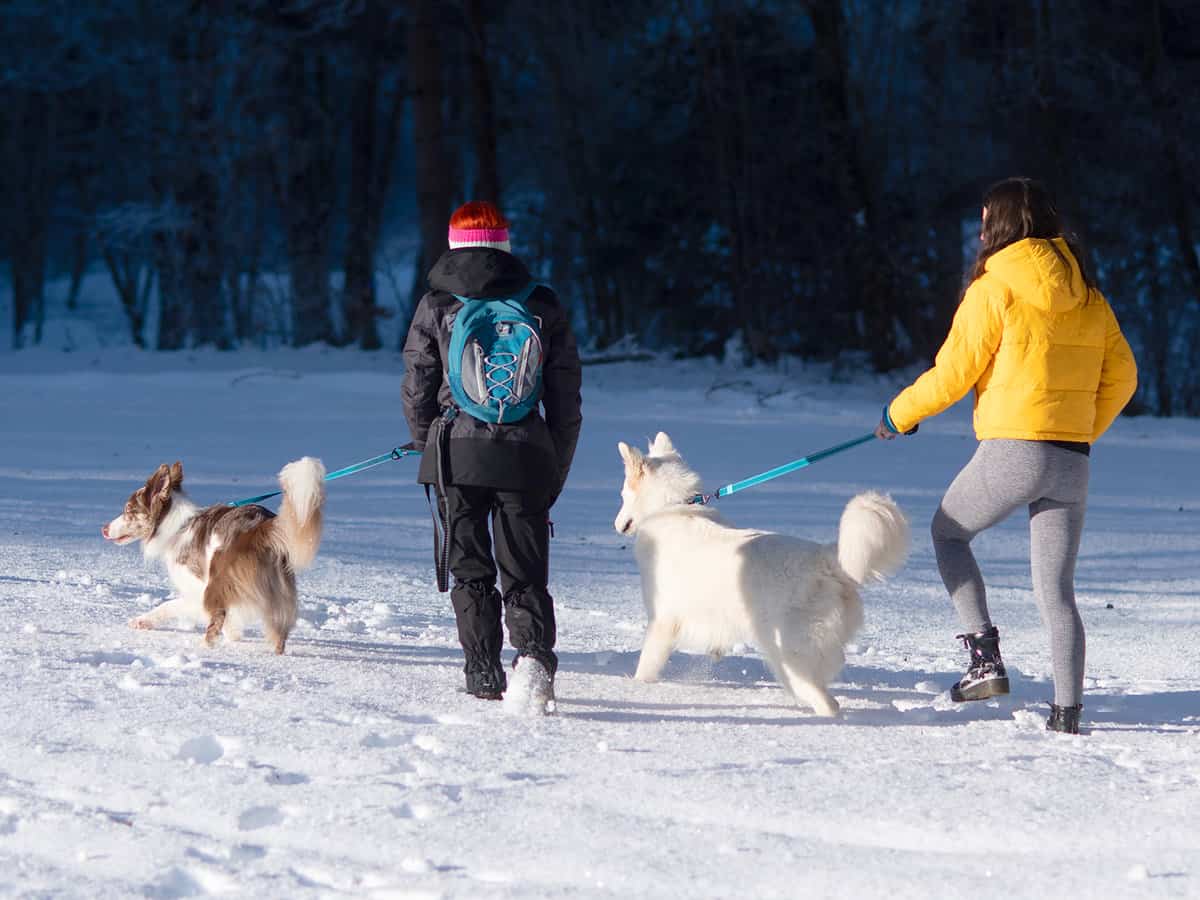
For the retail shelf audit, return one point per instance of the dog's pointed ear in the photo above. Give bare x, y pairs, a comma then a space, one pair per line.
631, 455
661, 445
159, 484
176, 475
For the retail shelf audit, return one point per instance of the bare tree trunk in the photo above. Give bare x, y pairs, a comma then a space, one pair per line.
941, 199
869, 276
483, 113
31, 191
190, 252
1159, 81
172, 293
1159, 84
127, 277
358, 292
1158, 339
202, 247
80, 239
558, 38
1047, 116
309, 179
373, 140
725, 133
79, 260
434, 188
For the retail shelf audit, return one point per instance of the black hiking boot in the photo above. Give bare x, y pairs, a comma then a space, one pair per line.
986, 676
486, 681
1064, 719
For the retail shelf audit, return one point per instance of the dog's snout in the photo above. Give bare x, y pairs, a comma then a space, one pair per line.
104, 531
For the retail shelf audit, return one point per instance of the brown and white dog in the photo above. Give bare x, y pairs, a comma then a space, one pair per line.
227, 561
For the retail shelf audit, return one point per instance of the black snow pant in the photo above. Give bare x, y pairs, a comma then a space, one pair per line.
521, 524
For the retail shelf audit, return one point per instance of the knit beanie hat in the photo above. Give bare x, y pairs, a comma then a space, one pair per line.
479, 224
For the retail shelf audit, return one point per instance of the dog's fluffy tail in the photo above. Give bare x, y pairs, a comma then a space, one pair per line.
873, 538
297, 528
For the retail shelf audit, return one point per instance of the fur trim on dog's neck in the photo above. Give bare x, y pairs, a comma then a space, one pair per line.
695, 510
171, 527
670, 482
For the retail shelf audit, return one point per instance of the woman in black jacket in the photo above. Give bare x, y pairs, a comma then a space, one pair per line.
509, 473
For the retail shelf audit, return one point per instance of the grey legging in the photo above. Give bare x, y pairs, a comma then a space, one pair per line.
1002, 476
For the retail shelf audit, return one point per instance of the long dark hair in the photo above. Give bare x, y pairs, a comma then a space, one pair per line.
1019, 208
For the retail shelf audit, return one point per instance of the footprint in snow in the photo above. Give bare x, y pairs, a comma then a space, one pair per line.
246, 853
203, 750
412, 811
9, 820
490, 876
429, 743
376, 741
192, 881
260, 817
114, 658
275, 776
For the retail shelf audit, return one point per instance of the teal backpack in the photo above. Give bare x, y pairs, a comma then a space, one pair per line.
495, 357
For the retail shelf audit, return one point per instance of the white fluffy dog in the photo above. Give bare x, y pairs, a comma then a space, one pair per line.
709, 586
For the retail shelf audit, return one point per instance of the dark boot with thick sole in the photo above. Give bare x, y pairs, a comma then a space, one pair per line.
477, 611
986, 676
486, 680
1064, 719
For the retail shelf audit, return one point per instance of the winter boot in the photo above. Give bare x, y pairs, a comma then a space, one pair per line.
532, 689
486, 680
1064, 719
986, 676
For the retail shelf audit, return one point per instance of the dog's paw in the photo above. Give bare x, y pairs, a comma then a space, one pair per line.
645, 678
142, 623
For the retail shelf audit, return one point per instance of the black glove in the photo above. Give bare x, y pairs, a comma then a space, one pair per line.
886, 430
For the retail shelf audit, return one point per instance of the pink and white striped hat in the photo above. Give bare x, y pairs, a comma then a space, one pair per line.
479, 224
496, 238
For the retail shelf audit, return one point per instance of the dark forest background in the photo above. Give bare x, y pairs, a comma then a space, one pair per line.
803, 175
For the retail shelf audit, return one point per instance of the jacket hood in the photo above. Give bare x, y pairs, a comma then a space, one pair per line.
1037, 274
479, 272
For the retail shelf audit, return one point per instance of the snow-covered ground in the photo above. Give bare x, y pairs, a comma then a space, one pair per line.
142, 764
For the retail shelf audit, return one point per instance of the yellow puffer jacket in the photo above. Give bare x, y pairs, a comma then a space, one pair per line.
1047, 360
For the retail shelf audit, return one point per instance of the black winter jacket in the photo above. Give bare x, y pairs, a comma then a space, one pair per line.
533, 454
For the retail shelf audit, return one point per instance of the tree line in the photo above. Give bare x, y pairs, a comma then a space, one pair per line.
710, 176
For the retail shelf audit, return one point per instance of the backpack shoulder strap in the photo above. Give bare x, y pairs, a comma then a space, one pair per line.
529, 289
521, 296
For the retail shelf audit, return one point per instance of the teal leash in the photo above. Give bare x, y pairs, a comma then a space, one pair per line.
785, 469
395, 453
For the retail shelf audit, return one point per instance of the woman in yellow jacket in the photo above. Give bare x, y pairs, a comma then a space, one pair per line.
1051, 370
